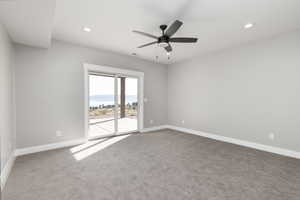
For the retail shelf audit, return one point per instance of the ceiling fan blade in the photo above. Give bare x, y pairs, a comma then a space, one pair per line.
144, 45
183, 40
173, 28
145, 34
168, 48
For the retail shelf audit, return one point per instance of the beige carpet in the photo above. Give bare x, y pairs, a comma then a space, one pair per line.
160, 165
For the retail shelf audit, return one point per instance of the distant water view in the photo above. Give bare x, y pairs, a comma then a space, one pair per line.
97, 100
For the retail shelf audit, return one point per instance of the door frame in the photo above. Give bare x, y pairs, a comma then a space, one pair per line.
117, 72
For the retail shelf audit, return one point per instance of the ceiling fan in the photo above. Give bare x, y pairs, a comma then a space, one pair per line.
166, 38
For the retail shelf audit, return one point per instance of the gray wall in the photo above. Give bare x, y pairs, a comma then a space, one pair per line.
245, 92
50, 90
6, 97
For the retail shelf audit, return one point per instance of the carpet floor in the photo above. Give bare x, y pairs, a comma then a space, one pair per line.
162, 165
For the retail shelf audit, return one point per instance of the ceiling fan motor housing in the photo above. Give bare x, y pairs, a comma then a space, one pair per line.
163, 41
163, 38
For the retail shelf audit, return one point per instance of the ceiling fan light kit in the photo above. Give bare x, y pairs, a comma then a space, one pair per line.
166, 38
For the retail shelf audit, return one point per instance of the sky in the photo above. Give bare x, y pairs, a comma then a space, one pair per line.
102, 85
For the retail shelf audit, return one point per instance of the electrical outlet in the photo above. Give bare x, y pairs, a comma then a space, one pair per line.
271, 136
151, 121
58, 133
182, 121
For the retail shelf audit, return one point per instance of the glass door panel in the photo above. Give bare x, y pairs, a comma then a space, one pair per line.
127, 104
101, 105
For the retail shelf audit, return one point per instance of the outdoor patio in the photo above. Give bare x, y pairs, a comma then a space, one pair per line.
105, 126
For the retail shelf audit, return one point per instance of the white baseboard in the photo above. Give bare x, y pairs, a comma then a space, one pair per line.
35, 149
154, 128
7, 169
46, 147
271, 149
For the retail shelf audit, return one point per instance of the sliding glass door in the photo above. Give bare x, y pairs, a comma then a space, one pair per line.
127, 118
113, 105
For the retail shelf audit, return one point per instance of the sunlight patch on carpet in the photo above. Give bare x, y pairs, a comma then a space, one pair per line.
85, 150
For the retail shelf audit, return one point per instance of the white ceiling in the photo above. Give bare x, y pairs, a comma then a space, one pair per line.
28, 21
217, 24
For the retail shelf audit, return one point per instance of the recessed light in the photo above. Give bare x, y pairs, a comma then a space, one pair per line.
168, 53
249, 25
87, 29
